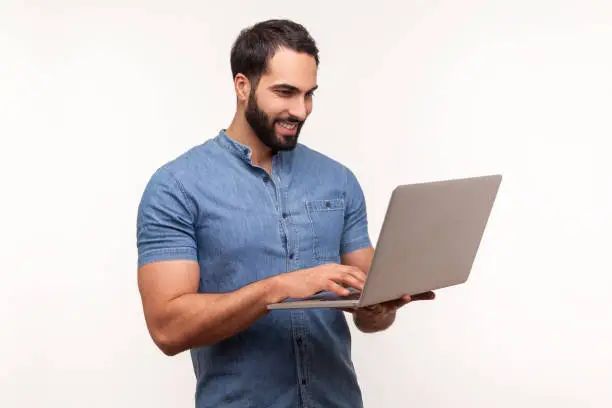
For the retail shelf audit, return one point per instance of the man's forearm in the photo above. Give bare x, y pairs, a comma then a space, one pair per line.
194, 320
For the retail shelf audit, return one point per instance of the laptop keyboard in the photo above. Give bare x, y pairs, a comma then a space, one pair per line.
327, 295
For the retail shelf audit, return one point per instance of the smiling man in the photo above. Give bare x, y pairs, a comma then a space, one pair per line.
252, 217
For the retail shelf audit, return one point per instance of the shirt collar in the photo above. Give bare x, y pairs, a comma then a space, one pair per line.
240, 150
233, 146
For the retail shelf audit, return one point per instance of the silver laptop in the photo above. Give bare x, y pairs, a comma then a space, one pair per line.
428, 241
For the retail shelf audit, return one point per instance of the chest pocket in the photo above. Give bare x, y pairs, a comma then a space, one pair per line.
326, 218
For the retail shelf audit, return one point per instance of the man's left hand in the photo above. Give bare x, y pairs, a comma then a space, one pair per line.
380, 316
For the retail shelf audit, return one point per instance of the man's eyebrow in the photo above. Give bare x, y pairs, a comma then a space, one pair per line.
291, 87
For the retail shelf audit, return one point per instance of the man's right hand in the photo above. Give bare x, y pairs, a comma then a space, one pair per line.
180, 318
328, 277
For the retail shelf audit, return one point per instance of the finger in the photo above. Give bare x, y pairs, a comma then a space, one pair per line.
424, 296
350, 281
377, 308
407, 299
348, 276
358, 275
371, 309
354, 271
334, 287
396, 304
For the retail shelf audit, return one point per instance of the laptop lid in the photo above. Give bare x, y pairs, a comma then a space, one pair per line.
430, 237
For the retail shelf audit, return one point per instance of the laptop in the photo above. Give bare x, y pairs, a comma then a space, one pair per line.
429, 240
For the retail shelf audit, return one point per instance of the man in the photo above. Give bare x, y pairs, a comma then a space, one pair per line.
249, 218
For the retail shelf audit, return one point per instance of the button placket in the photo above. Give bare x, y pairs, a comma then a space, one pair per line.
299, 337
288, 244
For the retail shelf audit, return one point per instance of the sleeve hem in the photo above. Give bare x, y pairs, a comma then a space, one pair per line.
355, 244
167, 254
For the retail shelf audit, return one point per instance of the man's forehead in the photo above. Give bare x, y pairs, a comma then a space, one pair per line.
292, 68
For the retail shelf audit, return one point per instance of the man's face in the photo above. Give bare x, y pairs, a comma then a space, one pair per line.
278, 108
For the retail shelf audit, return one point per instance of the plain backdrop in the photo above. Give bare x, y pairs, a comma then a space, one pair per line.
95, 95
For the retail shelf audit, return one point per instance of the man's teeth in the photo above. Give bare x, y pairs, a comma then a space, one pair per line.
288, 125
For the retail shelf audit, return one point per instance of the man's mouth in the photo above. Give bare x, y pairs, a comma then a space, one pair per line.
288, 124
287, 127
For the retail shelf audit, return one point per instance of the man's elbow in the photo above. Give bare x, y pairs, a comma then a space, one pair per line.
168, 343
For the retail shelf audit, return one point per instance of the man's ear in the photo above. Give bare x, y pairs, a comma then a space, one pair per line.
242, 86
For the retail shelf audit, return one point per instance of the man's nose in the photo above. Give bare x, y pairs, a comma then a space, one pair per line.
298, 109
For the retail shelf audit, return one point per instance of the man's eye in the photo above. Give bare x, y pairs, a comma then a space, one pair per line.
284, 92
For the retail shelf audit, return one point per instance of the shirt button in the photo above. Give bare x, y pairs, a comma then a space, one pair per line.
284, 215
303, 381
291, 255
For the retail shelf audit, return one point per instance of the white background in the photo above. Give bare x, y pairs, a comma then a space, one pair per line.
95, 95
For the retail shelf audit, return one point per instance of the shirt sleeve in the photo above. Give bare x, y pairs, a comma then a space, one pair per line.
355, 235
165, 222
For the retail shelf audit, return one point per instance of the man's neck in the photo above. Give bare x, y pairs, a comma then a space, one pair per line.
240, 131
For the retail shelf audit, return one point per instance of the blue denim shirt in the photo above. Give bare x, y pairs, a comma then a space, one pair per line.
211, 204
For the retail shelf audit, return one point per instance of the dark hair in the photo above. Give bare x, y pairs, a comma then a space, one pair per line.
255, 46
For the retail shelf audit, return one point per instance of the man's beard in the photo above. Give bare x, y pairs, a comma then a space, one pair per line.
264, 127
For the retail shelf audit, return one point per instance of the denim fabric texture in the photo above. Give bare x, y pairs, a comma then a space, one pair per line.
212, 205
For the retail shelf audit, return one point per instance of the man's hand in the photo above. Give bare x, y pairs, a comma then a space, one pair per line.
180, 318
307, 282
379, 317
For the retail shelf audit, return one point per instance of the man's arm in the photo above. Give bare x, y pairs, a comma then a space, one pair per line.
368, 320
179, 318
357, 251
377, 317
